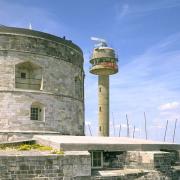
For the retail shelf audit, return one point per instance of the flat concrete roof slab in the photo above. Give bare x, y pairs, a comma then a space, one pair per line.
119, 172
88, 143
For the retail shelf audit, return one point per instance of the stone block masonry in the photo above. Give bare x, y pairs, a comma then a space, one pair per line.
41, 84
138, 165
28, 166
149, 160
76, 165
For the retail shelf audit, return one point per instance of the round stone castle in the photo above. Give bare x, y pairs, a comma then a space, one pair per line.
41, 84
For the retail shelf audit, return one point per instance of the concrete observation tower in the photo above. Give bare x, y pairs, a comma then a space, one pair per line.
103, 63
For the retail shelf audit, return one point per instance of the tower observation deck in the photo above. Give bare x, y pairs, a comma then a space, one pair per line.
103, 63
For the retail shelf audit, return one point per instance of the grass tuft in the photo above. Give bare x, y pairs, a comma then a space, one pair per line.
28, 147
55, 151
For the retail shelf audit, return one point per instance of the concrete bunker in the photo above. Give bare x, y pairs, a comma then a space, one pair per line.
116, 157
107, 159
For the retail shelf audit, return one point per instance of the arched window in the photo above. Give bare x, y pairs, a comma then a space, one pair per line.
37, 112
28, 76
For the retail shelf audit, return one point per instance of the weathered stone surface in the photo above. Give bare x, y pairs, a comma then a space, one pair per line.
59, 65
33, 165
135, 174
149, 160
84, 143
35, 42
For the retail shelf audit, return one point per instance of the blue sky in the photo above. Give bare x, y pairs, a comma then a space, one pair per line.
146, 36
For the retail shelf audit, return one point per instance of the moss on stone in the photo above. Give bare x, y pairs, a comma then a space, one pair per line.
28, 147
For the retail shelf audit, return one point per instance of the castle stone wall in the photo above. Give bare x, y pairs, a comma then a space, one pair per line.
29, 166
60, 67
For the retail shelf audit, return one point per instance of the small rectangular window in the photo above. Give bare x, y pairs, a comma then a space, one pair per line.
23, 75
34, 113
97, 159
99, 89
100, 108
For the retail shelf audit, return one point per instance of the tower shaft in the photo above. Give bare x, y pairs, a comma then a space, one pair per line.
103, 63
103, 84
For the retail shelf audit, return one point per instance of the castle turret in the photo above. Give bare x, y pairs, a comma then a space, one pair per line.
41, 85
104, 63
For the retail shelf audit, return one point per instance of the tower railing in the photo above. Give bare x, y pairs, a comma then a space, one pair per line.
105, 65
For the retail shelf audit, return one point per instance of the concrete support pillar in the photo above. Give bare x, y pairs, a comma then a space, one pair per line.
103, 84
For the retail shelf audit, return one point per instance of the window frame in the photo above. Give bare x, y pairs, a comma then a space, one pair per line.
39, 114
97, 159
35, 113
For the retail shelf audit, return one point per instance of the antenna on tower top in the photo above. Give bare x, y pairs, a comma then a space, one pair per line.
100, 42
30, 26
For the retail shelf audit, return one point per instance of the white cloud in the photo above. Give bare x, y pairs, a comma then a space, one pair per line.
123, 11
169, 106
143, 8
143, 84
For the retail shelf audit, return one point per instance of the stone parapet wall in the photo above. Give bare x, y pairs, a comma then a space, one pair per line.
50, 167
149, 160
150, 164
34, 42
30, 167
75, 165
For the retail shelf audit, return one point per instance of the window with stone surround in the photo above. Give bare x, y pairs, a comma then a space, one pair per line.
37, 112
96, 159
28, 76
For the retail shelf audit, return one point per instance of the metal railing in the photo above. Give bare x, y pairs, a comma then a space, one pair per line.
106, 65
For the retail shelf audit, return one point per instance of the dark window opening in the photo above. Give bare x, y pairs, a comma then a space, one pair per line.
23, 75
96, 159
34, 113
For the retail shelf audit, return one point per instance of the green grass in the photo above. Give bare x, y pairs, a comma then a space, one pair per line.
28, 147
55, 151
